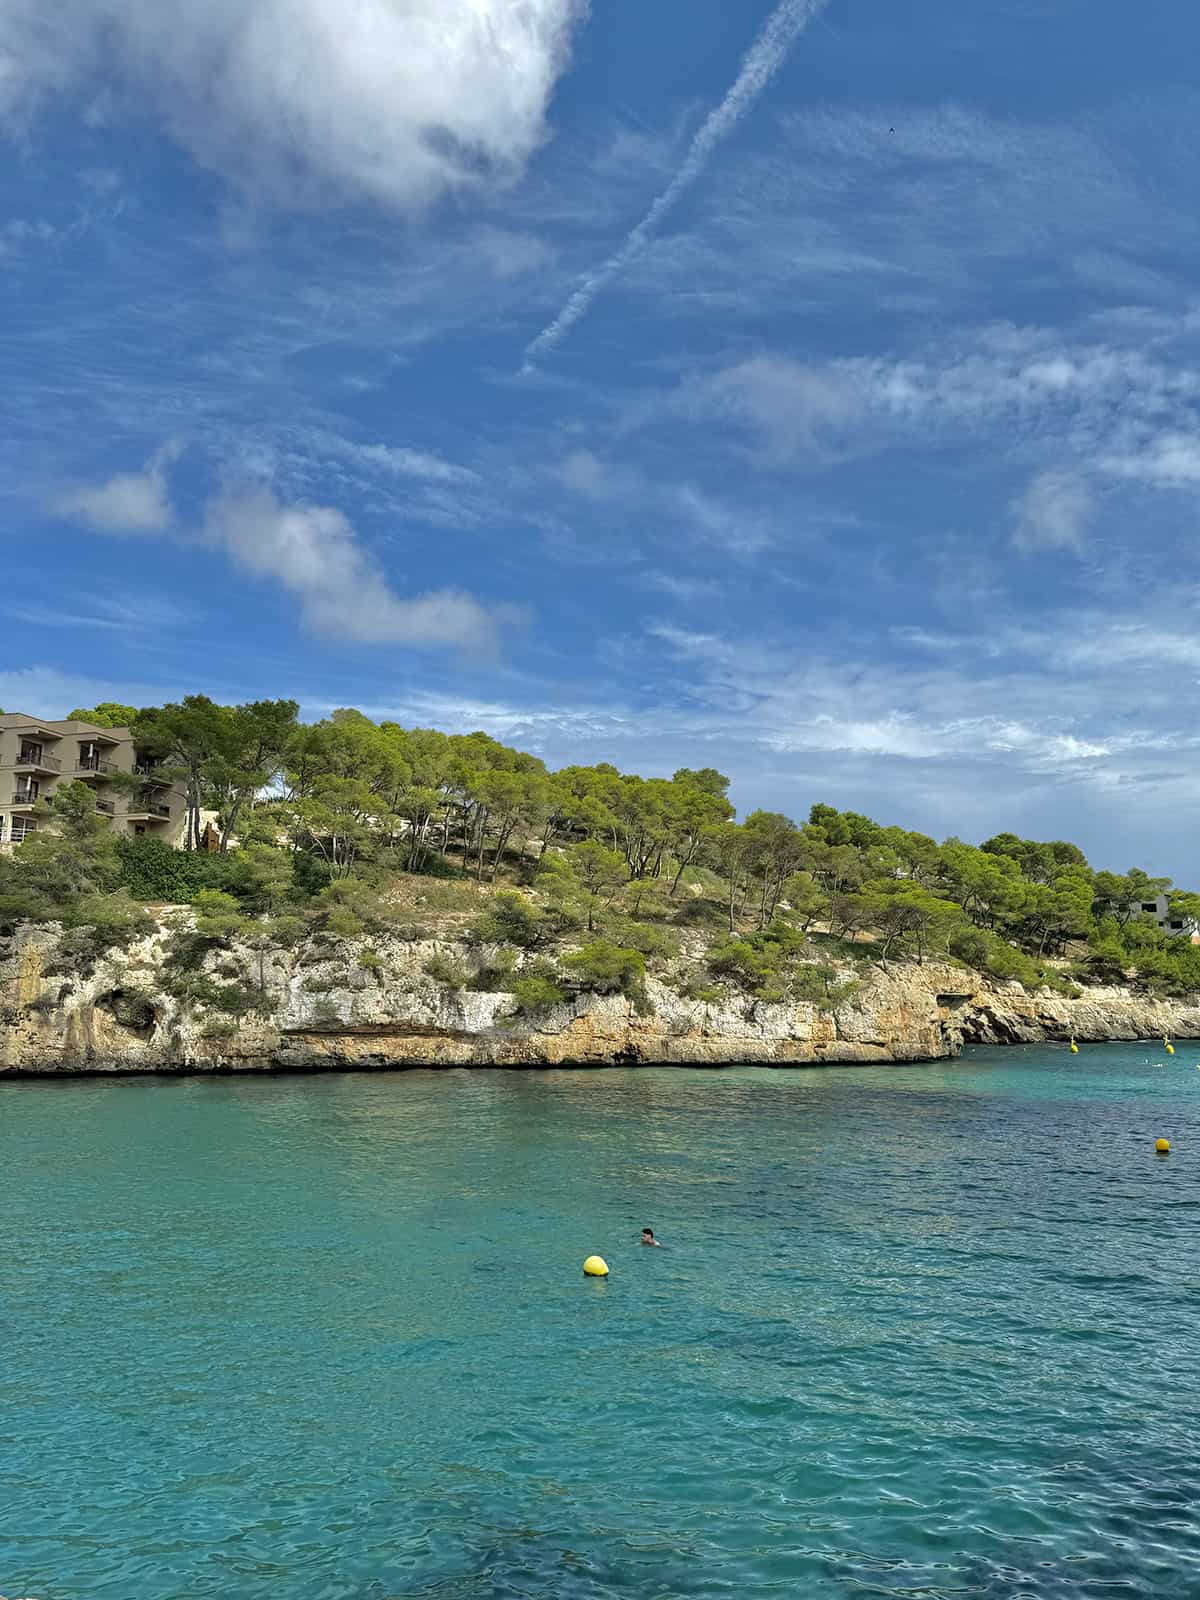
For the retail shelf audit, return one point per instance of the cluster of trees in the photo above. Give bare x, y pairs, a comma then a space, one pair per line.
322, 816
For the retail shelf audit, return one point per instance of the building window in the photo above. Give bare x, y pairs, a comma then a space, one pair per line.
1149, 905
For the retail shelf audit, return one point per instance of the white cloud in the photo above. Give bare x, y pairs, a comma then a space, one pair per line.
685, 590
312, 550
1006, 716
48, 692
398, 101
138, 614
994, 374
129, 502
510, 254
314, 553
1171, 461
735, 528
704, 518
585, 474
19, 234
405, 463
796, 409
1053, 513
1114, 409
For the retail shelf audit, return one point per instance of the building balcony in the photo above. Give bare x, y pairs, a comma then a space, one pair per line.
106, 807
25, 798
88, 767
148, 811
37, 761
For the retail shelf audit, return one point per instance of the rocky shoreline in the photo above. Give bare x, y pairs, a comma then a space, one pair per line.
327, 1009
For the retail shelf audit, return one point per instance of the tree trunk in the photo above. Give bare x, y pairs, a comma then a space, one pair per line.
684, 864
230, 820
501, 847
193, 806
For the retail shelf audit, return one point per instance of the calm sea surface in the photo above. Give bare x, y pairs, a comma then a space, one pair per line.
929, 1331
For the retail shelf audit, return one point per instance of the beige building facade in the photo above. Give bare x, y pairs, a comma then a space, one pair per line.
37, 754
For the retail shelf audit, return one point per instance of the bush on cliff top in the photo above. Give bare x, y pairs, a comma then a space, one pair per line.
535, 994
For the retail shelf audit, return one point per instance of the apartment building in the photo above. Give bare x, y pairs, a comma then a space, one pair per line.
1171, 922
37, 754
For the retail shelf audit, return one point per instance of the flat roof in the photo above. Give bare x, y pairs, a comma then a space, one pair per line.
49, 729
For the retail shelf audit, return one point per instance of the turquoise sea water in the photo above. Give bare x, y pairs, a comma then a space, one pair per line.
926, 1331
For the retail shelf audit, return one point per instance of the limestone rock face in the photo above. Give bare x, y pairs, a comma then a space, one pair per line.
321, 1007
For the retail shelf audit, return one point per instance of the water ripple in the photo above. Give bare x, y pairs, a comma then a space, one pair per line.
922, 1332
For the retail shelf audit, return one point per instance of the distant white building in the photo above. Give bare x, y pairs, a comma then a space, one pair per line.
1169, 921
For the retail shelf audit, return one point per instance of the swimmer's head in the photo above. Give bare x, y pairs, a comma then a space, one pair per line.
648, 1234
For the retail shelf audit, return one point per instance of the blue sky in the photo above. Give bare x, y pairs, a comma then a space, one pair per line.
864, 465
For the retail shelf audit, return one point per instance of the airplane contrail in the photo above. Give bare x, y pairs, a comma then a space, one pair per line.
763, 60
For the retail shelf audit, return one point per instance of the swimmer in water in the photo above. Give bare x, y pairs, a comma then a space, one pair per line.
648, 1238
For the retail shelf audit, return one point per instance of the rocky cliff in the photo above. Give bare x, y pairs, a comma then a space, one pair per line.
342, 1004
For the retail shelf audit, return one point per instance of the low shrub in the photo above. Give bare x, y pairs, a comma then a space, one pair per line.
349, 907
446, 893
698, 912
655, 942
695, 985
509, 919
535, 994
258, 876
286, 930
198, 989
22, 906
822, 986
151, 869
446, 969
606, 968
105, 921
496, 976
219, 916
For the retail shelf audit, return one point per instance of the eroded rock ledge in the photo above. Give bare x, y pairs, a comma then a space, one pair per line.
324, 1010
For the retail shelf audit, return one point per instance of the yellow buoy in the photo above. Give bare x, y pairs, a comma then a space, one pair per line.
596, 1267
1074, 1048
1170, 1048
1163, 1146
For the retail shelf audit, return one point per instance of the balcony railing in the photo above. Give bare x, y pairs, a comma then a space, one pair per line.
149, 808
147, 769
107, 806
25, 797
20, 829
35, 758
95, 764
